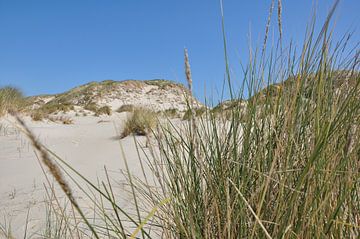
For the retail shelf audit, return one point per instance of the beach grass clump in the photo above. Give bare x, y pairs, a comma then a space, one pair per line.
126, 108
56, 107
91, 107
142, 121
37, 115
11, 98
48, 109
97, 110
171, 113
104, 110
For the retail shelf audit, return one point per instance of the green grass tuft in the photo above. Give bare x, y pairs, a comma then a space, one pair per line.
141, 122
126, 108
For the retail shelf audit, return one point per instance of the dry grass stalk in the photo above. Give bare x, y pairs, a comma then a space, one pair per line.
268, 26
190, 97
279, 18
188, 70
279, 13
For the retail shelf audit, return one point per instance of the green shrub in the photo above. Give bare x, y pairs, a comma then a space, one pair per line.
141, 122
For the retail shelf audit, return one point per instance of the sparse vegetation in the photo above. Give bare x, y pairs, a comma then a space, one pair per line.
171, 113
51, 108
225, 109
162, 84
98, 110
104, 110
67, 120
37, 115
91, 107
198, 113
141, 122
61, 119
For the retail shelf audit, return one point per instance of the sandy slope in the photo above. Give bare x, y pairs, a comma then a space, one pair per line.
87, 145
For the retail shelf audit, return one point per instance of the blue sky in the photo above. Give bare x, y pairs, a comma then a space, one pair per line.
51, 46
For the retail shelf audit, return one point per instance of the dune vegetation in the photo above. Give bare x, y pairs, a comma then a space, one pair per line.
285, 166
10, 99
141, 121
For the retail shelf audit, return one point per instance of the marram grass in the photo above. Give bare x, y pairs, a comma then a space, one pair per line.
10, 99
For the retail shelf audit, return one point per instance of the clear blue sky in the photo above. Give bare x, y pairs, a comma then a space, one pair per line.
49, 46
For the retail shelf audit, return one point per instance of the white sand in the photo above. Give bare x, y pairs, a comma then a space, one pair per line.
87, 145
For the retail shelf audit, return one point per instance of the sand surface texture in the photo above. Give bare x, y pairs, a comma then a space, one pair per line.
88, 144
